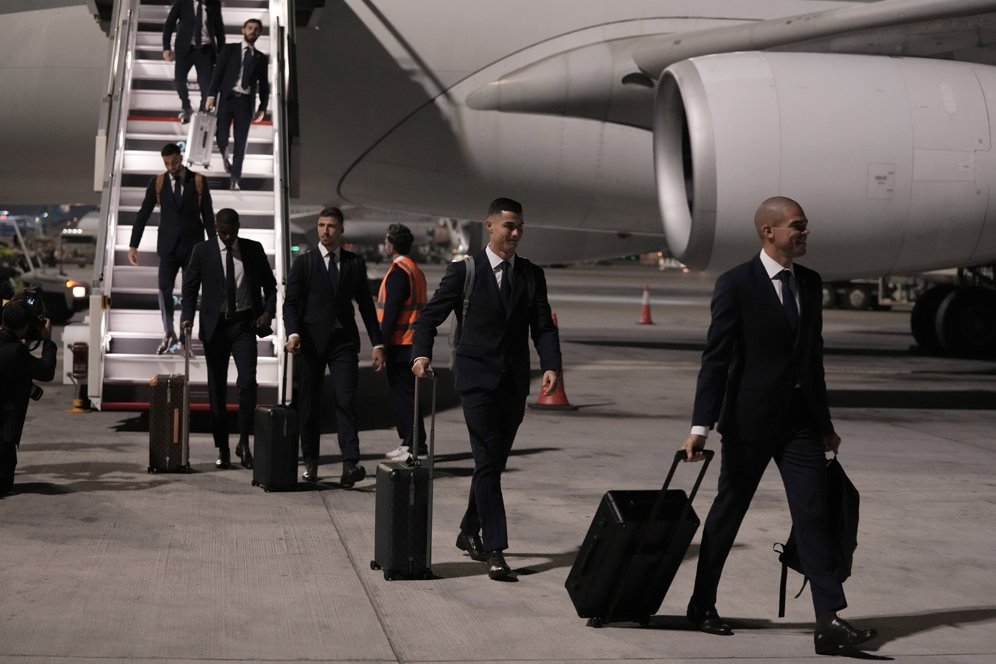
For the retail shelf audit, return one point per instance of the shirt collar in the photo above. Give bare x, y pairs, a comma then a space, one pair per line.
222, 248
325, 252
773, 267
246, 45
495, 260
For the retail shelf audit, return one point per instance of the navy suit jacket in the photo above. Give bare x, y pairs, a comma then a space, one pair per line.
492, 339
311, 309
226, 74
184, 12
178, 224
204, 272
751, 362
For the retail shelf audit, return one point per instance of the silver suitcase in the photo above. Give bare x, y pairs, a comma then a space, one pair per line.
201, 138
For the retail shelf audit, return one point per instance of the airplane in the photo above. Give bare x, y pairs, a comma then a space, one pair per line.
621, 126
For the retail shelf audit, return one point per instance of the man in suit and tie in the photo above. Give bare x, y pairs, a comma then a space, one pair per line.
238, 298
319, 319
185, 215
200, 34
762, 380
239, 75
399, 304
508, 302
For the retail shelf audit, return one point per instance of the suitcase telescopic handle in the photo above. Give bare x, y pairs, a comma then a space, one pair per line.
679, 457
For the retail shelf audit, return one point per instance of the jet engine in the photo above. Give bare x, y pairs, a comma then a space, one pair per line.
891, 158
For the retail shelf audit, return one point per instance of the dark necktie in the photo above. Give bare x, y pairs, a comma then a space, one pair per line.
333, 273
788, 300
199, 21
177, 191
505, 289
230, 280
246, 68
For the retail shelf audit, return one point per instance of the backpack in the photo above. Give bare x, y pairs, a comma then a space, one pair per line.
456, 326
198, 185
843, 502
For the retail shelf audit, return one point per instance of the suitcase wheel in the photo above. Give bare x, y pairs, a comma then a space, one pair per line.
151, 470
255, 483
594, 622
374, 564
388, 576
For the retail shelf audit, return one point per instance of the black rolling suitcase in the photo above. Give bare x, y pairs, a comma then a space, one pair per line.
169, 420
632, 551
275, 443
403, 512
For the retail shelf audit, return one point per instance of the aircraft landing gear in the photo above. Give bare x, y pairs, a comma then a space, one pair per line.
956, 321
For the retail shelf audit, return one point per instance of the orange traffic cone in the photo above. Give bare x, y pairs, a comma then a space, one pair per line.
557, 400
645, 318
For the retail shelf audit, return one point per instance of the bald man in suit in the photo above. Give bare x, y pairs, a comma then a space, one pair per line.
762, 380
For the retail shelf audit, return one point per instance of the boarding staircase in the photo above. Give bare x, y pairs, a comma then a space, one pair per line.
124, 328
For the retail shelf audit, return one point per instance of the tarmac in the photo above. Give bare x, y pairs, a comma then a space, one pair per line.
102, 562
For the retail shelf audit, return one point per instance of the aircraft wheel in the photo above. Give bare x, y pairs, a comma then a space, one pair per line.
859, 297
966, 322
923, 320
829, 296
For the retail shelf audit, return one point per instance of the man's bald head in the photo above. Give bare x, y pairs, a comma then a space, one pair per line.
773, 210
783, 228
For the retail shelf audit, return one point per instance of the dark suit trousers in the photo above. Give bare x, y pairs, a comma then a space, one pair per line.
235, 110
493, 419
235, 339
203, 60
169, 266
342, 361
802, 464
401, 388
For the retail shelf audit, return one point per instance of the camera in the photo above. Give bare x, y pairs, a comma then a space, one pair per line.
35, 300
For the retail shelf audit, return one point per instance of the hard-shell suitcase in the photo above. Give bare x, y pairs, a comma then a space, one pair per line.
169, 420
632, 551
275, 443
200, 139
403, 510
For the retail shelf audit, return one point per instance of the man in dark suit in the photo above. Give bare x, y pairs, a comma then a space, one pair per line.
200, 34
19, 368
507, 303
762, 380
319, 319
185, 215
241, 74
238, 298
399, 304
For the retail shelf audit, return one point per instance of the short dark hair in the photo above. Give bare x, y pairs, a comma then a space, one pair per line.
227, 216
253, 20
16, 315
500, 205
401, 238
332, 212
170, 149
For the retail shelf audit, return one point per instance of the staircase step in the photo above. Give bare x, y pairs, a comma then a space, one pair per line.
142, 161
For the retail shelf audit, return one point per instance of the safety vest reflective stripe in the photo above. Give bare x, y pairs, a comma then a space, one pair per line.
404, 328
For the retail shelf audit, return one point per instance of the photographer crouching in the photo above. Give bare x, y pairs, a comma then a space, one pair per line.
24, 324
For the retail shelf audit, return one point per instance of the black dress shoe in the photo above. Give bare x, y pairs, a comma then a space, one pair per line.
351, 474
498, 569
244, 453
708, 621
310, 473
834, 635
226, 163
224, 458
471, 543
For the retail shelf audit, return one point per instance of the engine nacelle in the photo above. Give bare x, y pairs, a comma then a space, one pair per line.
891, 158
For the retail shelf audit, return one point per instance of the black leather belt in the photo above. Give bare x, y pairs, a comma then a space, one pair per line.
239, 315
